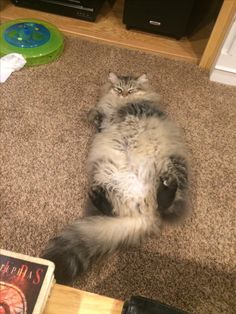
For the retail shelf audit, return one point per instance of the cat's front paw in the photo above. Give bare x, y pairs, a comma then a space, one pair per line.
96, 118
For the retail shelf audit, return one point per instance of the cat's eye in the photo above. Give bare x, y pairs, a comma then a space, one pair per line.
130, 91
118, 90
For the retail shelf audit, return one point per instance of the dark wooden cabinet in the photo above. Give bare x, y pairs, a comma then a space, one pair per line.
167, 17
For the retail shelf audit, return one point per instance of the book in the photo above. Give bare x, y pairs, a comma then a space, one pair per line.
25, 283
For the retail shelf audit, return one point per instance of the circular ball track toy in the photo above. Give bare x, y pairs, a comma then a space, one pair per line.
38, 41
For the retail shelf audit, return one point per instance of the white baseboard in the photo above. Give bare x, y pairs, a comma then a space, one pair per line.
224, 77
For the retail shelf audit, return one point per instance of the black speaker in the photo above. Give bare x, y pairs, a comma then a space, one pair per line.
175, 18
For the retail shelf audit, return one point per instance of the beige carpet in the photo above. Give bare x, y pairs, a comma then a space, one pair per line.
44, 141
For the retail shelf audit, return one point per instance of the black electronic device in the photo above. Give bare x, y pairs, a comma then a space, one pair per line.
141, 305
175, 18
81, 9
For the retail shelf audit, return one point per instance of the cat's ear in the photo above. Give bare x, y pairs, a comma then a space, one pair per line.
142, 79
113, 78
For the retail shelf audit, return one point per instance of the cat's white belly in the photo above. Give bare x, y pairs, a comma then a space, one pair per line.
129, 184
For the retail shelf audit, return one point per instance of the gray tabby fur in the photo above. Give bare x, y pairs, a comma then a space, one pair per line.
137, 162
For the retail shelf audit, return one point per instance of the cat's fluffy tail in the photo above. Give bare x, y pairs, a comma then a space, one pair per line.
91, 238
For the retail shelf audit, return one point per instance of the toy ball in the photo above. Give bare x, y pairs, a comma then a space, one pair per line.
38, 41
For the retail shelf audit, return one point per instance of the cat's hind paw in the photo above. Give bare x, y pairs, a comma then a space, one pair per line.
99, 199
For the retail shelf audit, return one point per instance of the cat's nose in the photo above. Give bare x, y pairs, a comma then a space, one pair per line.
125, 93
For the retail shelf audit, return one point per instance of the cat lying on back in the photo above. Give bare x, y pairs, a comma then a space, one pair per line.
137, 162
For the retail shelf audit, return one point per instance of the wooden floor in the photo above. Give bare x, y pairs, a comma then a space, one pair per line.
67, 300
110, 29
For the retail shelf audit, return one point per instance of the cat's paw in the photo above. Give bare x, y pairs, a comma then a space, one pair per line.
169, 181
95, 117
166, 192
99, 199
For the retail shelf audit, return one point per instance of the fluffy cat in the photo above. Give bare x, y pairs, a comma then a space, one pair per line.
137, 162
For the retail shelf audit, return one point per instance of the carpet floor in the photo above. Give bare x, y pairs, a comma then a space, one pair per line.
44, 140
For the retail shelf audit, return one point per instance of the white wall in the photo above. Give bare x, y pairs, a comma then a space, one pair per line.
224, 69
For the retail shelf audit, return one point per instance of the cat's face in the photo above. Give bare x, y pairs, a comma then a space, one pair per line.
125, 86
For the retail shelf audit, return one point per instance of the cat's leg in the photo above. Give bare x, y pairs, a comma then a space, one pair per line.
101, 189
96, 118
171, 192
166, 192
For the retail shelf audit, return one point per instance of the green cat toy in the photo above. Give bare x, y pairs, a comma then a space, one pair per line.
39, 42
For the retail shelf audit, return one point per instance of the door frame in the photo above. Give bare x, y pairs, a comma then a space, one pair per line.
216, 40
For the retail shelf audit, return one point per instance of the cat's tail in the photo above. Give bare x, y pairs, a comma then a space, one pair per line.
93, 237
171, 194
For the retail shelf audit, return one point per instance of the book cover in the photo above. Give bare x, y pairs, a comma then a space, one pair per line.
25, 283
